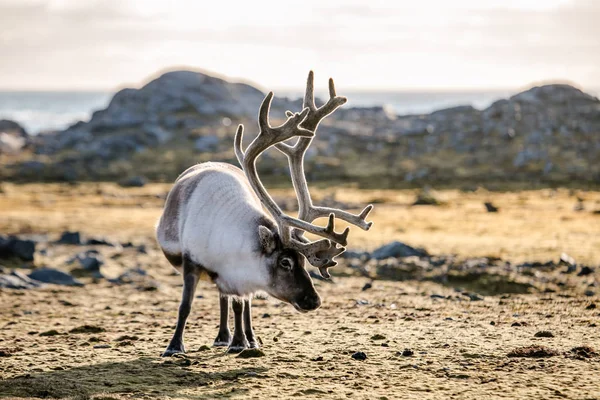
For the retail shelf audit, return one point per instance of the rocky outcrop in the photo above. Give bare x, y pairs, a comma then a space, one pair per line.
548, 134
13, 137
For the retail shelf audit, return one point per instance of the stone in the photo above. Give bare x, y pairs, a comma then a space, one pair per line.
90, 261
100, 242
490, 207
17, 280
359, 355
54, 276
13, 137
134, 181
397, 250
585, 270
72, 238
12, 247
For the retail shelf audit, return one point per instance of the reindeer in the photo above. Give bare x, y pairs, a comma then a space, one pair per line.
214, 226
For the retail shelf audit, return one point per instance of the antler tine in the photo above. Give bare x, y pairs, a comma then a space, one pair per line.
267, 137
332, 89
295, 154
263, 113
309, 94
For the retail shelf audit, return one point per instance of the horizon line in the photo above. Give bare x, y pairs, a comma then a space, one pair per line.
415, 90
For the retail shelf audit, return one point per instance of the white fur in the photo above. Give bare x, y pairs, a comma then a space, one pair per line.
217, 227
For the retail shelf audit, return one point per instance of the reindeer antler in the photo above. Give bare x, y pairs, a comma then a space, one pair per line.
269, 136
295, 154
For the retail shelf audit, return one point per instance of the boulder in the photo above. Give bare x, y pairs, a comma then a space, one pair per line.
54, 276
12, 127
17, 280
397, 250
13, 137
11, 247
89, 261
67, 237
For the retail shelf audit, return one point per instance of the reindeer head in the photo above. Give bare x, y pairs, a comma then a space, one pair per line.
288, 279
290, 231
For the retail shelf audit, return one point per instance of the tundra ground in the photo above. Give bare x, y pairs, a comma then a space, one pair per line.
421, 339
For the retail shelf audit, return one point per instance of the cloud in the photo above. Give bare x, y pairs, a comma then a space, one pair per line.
101, 44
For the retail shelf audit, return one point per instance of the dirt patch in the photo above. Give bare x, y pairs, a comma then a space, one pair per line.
533, 352
582, 352
87, 329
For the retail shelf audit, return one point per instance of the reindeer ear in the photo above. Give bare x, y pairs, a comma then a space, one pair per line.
267, 239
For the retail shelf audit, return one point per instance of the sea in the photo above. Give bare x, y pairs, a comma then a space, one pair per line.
48, 111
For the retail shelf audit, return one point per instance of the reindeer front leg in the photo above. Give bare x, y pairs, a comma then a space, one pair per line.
239, 341
249, 332
224, 336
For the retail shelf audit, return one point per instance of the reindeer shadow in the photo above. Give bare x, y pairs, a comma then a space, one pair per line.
141, 377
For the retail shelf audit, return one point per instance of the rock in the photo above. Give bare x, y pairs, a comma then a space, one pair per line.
89, 261
367, 286
31, 167
207, 143
473, 296
397, 250
251, 353
583, 352
52, 332
359, 355
426, 198
54, 276
585, 270
544, 334
591, 306
87, 329
569, 261
100, 242
490, 207
355, 255
13, 247
134, 181
8, 126
17, 280
10, 144
137, 277
72, 238
532, 352
13, 137
407, 353
402, 269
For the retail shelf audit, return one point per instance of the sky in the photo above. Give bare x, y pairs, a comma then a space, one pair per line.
364, 45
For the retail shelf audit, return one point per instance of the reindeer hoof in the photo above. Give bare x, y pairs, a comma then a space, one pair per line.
174, 347
253, 345
171, 352
238, 345
223, 339
236, 349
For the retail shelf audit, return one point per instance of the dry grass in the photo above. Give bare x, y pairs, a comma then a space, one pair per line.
531, 225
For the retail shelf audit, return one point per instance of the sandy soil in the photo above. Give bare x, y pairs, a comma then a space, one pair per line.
457, 352
422, 340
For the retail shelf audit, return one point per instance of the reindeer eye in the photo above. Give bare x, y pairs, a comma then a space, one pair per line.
285, 263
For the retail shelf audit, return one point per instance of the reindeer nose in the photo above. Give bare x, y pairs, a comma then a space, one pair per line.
310, 302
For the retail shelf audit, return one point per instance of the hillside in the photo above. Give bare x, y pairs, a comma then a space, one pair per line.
548, 135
